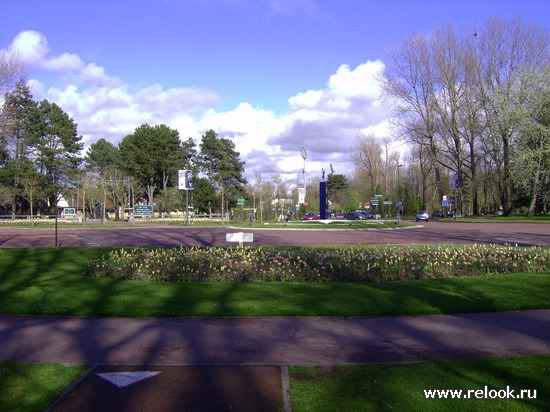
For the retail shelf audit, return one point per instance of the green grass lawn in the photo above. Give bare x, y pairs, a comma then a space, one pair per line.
48, 281
33, 387
400, 387
295, 224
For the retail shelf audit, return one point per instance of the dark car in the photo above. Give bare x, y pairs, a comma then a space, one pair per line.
310, 216
439, 214
368, 215
355, 216
422, 215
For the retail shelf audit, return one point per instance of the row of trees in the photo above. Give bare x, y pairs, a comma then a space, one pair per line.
144, 168
473, 108
475, 105
39, 151
41, 161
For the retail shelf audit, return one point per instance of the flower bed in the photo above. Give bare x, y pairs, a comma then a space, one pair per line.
339, 264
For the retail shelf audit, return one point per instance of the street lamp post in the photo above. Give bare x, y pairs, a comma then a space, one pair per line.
399, 166
303, 153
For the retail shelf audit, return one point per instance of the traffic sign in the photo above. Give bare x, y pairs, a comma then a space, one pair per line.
387, 202
375, 201
240, 201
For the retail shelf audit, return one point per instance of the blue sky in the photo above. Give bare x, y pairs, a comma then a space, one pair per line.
274, 75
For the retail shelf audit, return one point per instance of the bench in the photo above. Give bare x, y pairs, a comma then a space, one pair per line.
239, 237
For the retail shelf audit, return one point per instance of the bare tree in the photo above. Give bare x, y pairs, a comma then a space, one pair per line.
409, 83
457, 94
10, 70
366, 154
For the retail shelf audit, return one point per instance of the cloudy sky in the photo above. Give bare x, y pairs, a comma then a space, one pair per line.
273, 75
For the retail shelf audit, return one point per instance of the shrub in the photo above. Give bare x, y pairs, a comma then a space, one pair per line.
257, 264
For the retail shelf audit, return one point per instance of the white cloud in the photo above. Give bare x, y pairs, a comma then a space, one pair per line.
324, 121
175, 100
30, 46
358, 83
309, 99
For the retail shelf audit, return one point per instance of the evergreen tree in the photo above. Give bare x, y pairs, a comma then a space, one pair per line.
14, 149
223, 167
153, 155
55, 146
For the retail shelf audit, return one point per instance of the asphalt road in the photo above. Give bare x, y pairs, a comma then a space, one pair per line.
523, 234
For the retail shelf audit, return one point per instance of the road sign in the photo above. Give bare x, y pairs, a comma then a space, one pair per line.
69, 211
387, 202
240, 201
375, 201
182, 184
185, 180
143, 210
189, 180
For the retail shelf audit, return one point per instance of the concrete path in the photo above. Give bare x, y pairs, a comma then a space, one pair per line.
272, 341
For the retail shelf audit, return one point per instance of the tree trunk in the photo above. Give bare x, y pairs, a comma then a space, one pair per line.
536, 184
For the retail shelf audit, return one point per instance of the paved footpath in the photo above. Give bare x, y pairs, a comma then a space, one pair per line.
240, 363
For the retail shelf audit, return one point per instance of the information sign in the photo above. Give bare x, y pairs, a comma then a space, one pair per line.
68, 211
143, 210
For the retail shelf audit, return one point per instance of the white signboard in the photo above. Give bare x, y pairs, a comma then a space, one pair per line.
181, 179
301, 195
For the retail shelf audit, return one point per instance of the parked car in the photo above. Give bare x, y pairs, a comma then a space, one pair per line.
355, 216
310, 216
368, 215
438, 214
422, 215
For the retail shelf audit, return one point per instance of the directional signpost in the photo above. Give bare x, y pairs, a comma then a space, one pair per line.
240, 202
185, 182
375, 201
387, 203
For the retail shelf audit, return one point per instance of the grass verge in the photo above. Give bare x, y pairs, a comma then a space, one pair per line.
49, 282
400, 387
34, 387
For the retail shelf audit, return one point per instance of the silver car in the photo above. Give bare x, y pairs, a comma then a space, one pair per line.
423, 215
